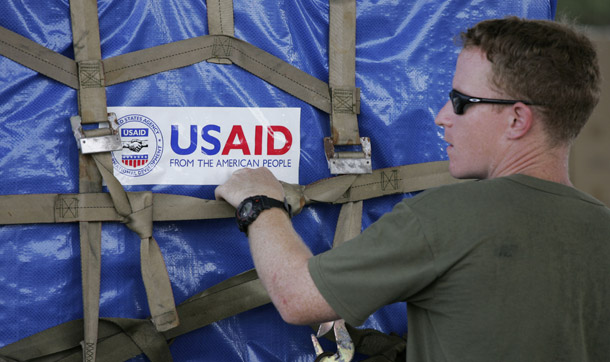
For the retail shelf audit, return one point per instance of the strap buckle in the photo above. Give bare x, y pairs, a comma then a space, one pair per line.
345, 345
104, 139
349, 162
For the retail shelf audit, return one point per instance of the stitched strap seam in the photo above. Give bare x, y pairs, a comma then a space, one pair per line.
36, 57
157, 59
283, 75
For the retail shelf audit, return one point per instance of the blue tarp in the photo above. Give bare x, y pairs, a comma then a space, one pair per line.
405, 59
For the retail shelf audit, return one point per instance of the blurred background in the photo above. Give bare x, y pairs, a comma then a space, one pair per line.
590, 158
594, 13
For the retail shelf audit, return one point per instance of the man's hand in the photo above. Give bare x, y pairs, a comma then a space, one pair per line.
249, 182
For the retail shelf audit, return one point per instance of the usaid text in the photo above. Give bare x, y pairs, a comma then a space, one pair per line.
209, 140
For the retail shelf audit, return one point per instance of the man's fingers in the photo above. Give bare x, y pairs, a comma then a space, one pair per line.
231, 187
248, 182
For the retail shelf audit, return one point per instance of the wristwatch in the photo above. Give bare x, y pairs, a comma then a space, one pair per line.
249, 209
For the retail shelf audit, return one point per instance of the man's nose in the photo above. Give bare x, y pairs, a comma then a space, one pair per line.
444, 116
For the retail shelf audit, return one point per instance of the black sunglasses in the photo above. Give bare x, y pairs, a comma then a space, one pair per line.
460, 100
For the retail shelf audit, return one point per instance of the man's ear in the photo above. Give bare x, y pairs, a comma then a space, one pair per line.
521, 121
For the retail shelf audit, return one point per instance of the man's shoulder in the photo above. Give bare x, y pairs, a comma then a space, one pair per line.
466, 190
506, 191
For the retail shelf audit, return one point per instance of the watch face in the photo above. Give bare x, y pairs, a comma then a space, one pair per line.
246, 209
249, 209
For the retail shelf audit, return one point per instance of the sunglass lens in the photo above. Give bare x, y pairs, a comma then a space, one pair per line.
456, 101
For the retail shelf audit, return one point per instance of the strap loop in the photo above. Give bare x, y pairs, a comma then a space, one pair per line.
141, 220
154, 272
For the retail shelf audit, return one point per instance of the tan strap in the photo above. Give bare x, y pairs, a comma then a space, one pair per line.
145, 62
87, 53
90, 245
281, 74
92, 109
122, 339
349, 224
131, 337
220, 22
386, 181
93, 74
90, 180
220, 17
138, 217
137, 210
254, 60
34, 56
342, 72
229, 297
62, 208
345, 97
182, 53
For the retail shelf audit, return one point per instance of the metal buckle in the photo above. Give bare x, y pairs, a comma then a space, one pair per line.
345, 345
349, 162
97, 144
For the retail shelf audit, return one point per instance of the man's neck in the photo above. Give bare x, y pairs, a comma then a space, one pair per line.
542, 162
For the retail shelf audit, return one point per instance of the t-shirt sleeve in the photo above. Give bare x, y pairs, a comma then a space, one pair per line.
389, 262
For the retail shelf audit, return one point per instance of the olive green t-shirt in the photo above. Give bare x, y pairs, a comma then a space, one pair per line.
508, 269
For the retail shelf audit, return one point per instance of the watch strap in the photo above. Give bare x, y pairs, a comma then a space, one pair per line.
250, 208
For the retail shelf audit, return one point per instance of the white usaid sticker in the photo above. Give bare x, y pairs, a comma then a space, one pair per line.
205, 145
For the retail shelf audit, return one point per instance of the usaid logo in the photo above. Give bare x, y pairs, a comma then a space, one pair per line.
205, 145
142, 146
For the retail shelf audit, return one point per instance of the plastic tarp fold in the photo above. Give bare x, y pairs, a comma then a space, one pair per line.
405, 57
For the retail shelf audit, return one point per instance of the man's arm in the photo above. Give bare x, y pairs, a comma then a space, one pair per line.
279, 254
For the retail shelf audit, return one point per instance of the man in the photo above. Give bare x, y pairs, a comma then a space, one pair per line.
514, 267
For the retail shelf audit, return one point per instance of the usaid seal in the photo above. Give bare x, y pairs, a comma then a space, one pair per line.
142, 146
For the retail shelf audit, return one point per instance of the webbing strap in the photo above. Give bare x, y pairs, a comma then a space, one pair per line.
34, 56
182, 53
137, 209
121, 339
345, 97
220, 17
62, 208
90, 246
349, 224
88, 55
92, 109
342, 72
61, 343
170, 56
385, 181
220, 21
